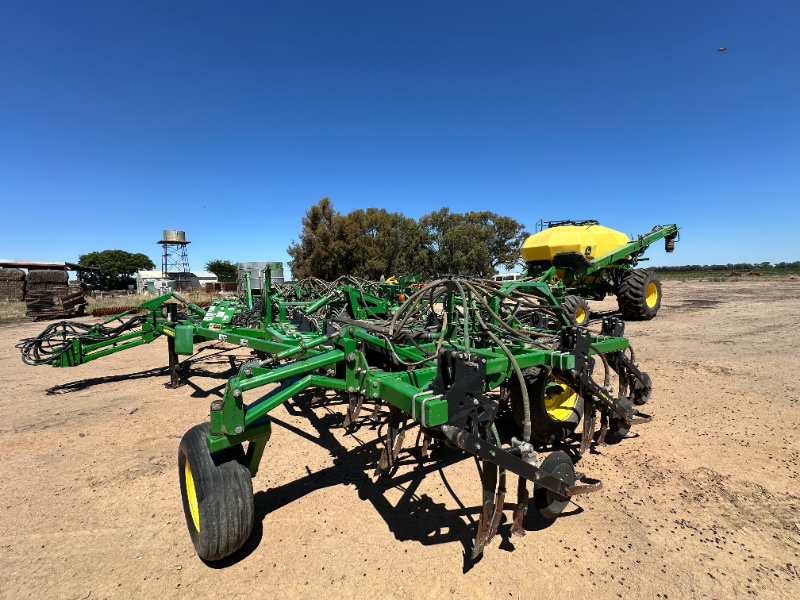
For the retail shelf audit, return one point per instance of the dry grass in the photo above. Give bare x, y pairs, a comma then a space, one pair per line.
11, 311
137, 299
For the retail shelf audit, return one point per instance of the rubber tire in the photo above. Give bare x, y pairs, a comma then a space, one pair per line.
224, 491
632, 295
544, 429
640, 396
550, 504
571, 305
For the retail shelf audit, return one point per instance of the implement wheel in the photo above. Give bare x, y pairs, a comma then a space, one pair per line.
639, 295
217, 494
549, 504
556, 409
577, 309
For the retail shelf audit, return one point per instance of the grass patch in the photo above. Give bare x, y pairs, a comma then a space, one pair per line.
12, 311
720, 276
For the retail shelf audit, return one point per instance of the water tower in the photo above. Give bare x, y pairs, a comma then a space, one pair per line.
176, 258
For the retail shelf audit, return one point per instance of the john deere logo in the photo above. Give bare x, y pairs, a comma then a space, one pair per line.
588, 251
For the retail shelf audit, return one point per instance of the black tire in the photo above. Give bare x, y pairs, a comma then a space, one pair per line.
577, 309
223, 491
549, 504
639, 295
544, 427
642, 390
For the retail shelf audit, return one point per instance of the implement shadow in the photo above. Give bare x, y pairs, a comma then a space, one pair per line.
186, 373
415, 517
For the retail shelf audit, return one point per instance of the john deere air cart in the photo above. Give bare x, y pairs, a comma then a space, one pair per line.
584, 260
448, 359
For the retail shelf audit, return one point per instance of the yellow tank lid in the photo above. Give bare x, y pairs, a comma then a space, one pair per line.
590, 240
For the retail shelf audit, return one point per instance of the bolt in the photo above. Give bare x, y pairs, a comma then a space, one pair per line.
351, 357
460, 355
483, 360
237, 393
248, 372
239, 430
477, 446
351, 331
350, 389
375, 395
491, 453
475, 402
374, 384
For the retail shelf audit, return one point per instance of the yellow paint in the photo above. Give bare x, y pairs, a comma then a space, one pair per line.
169, 332
598, 240
560, 407
580, 315
652, 294
191, 495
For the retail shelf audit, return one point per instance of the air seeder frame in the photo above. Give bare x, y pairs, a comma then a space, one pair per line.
446, 358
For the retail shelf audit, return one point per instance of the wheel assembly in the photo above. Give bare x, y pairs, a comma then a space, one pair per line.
639, 295
549, 503
556, 408
577, 309
217, 495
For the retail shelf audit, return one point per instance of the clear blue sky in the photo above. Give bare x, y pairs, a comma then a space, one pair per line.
228, 120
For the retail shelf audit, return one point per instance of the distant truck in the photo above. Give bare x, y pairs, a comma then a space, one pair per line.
584, 260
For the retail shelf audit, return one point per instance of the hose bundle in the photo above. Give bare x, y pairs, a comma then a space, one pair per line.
57, 338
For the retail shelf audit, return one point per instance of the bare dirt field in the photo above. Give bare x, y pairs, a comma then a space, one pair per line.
703, 503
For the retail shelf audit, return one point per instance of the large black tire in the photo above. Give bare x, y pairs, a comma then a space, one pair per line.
217, 493
578, 310
546, 426
639, 295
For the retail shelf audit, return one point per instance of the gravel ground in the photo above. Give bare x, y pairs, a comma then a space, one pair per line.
704, 502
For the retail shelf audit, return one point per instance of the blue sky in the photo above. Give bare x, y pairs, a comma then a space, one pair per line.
228, 120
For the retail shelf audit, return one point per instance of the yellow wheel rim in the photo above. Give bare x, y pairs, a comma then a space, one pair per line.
560, 406
191, 495
580, 315
652, 294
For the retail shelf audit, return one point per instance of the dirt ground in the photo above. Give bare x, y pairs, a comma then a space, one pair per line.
703, 503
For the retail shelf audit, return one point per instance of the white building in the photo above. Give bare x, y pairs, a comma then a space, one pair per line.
194, 279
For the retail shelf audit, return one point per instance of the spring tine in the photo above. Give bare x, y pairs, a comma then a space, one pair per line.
521, 508
398, 444
589, 417
499, 503
357, 409
426, 441
350, 417
603, 428
489, 481
374, 416
386, 461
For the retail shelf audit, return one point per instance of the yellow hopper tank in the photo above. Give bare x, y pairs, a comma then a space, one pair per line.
590, 240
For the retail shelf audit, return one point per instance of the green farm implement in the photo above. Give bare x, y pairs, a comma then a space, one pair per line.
584, 260
448, 357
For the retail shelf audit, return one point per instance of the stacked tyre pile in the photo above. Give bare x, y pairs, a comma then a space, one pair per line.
43, 288
12, 284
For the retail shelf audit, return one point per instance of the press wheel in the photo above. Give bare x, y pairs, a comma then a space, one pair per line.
548, 503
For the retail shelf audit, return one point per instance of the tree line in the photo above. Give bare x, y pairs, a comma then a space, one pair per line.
374, 242
733, 267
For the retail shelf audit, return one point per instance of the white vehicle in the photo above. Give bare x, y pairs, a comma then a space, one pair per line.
508, 277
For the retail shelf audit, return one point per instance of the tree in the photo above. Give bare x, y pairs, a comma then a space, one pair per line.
225, 270
374, 242
117, 268
473, 243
